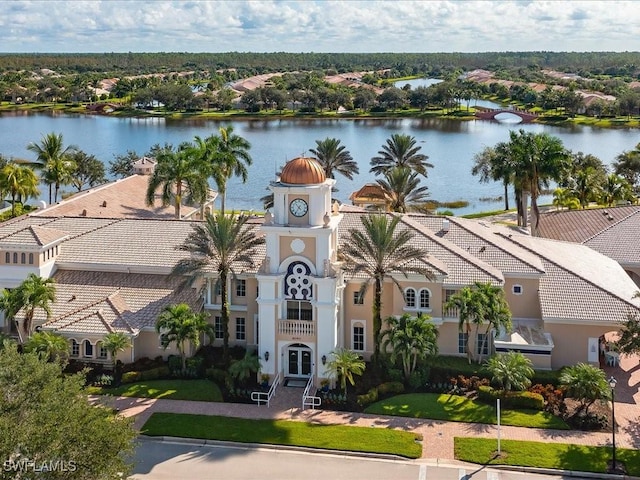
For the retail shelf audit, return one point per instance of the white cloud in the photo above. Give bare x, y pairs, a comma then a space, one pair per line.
320, 26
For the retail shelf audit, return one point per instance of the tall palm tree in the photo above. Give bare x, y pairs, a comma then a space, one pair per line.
114, 343
411, 339
627, 165
222, 242
344, 365
495, 312
401, 186
20, 181
379, 250
177, 173
180, 325
334, 158
232, 159
615, 188
468, 307
59, 172
585, 186
50, 153
400, 151
494, 163
538, 158
33, 293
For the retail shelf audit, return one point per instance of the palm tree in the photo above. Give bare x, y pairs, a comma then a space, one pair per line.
615, 188
378, 251
538, 158
231, 159
344, 365
334, 158
52, 156
176, 171
114, 343
59, 172
33, 293
627, 165
586, 384
222, 242
494, 163
411, 339
512, 371
468, 307
494, 312
180, 325
401, 186
48, 345
400, 151
585, 186
242, 369
20, 181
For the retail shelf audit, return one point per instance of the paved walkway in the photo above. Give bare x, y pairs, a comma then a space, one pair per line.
437, 435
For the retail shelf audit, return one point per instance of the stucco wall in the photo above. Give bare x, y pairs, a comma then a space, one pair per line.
571, 342
526, 305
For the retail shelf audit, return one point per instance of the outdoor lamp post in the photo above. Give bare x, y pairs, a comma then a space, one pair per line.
612, 384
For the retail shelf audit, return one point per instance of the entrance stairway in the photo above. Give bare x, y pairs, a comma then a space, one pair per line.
287, 398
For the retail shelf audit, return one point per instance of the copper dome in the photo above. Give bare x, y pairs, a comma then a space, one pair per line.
302, 171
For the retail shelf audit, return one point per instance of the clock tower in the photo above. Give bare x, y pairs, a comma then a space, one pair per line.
300, 283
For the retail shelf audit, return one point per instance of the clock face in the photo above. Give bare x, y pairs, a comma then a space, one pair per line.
298, 207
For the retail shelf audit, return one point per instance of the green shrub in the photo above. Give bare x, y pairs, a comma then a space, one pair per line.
217, 375
546, 377
524, 399
368, 398
390, 387
130, 377
155, 373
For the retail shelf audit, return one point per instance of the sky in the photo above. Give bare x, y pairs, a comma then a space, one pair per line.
78, 26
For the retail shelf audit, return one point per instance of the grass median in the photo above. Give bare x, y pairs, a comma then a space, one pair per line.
283, 432
174, 389
562, 456
456, 408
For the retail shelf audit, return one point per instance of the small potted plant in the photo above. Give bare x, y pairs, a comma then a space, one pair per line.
264, 379
324, 385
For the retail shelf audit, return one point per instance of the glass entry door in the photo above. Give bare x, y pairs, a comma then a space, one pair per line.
298, 361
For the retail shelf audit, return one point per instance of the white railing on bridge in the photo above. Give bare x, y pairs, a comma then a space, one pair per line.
299, 328
265, 397
310, 400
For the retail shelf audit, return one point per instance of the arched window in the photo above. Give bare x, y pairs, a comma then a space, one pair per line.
425, 298
31, 259
75, 348
102, 352
410, 298
15, 257
357, 336
23, 258
88, 349
7, 257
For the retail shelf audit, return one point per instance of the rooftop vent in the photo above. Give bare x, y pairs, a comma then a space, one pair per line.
445, 224
104, 204
84, 213
604, 212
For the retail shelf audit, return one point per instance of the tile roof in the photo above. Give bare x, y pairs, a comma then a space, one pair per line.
580, 284
459, 267
101, 302
481, 241
620, 241
33, 236
579, 225
125, 198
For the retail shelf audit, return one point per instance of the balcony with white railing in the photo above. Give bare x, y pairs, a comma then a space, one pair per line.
297, 328
449, 312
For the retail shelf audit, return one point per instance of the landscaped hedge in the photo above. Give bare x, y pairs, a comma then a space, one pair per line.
524, 399
384, 389
151, 374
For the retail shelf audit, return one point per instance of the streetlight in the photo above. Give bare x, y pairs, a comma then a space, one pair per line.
612, 384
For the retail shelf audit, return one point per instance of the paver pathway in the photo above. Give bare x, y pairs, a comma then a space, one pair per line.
438, 435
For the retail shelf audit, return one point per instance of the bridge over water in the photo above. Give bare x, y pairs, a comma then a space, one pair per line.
490, 113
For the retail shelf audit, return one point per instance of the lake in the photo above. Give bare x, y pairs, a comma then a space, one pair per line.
450, 145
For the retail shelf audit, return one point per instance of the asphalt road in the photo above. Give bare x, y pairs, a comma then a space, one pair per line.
157, 460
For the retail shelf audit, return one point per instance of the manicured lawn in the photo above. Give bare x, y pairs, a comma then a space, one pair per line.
562, 456
456, 408
281, 432
174, 389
